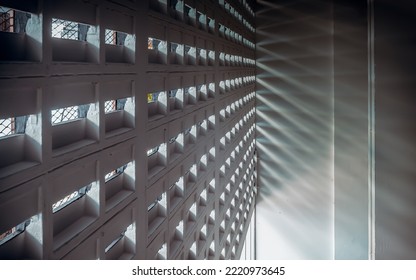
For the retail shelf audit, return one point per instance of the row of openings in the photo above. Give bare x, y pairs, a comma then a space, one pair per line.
178, 10
233, 132
120, 46
232, 11
236, 232
235, 229
161, 103
82, 205
234, 36
15, 21
237, 208
243, 2
232, 84
17, 125
184, 12
162, 52
232, 108
231, 160
186, 226
157, 156
235, 60
169, 201
72, 127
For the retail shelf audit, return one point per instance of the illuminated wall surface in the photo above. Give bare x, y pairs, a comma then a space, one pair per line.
127, 129
314, 124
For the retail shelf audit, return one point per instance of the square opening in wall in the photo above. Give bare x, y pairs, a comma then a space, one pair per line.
202, 20
211, 90
223, 89
176, 100
20, 143
20, 35
119, 116
202, 128
159, 6
190, 55
202, 238
74, 212
211, 25
157, 51
119, 47
202, 56
176, 146
190, 135
191, 177
190, 219
176, 194
176, 9
176, 53
124, 246
74, 41
203, 164
211, 58
176, 239
156, 159
156, 105
23, 241
156, 213
190, 15
211, 222
119, 184
202, 203
202, 92
191, 96
192, 253
162, 254
74, 127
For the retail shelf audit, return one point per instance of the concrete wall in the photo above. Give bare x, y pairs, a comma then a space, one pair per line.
193, 203
395, 101
295, 130
308, 58
351, 140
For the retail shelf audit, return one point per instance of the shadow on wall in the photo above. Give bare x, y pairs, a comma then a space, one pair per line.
395, 129
294, 130
312, 97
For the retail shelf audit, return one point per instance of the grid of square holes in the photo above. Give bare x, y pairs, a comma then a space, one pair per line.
150, 158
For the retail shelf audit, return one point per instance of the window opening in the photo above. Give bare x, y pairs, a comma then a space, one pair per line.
152, 151
14, 231
13, 21
154, 44
152, 97
114, 105
7, 127
114, 173
113, 37
65, 29
62, 203
110, 106
173, 139
65, 114
115, 241
159, 200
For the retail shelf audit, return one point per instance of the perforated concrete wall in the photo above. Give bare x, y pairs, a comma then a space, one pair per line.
138, 129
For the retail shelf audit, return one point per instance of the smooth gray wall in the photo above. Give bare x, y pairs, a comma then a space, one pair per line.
395, 104
351, 141
313, 78
295, 130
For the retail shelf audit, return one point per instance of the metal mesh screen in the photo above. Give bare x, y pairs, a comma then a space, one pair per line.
64, 114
